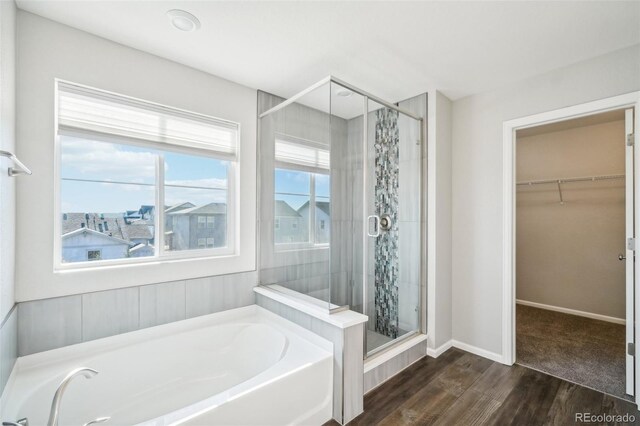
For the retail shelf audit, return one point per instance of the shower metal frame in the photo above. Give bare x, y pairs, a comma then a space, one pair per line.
422, 329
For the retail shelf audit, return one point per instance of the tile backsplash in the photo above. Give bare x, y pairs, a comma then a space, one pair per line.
52, 323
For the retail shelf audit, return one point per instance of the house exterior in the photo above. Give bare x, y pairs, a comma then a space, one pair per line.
323, 220
288, 225
141, 250
197, 227
94, 236
86, 244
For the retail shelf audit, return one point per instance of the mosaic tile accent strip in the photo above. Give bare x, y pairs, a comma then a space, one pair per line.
387, 158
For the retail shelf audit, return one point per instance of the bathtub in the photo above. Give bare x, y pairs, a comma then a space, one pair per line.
245, 366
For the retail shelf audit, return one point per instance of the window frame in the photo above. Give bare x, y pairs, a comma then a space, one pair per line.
160, 253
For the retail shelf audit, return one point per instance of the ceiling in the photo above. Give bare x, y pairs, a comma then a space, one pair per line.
392, 49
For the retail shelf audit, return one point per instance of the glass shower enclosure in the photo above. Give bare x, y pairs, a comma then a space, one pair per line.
339, 205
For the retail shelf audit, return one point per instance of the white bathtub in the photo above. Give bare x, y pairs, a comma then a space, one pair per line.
246, 366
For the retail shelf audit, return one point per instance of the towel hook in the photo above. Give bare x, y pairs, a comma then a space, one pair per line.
21, 168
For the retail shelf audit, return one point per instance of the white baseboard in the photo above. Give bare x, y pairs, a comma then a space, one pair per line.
435, 353
572, 312
477, 351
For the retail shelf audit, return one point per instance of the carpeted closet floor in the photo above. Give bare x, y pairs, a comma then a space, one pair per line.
581, 350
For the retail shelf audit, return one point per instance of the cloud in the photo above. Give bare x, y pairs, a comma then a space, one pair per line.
98, 160
86, 159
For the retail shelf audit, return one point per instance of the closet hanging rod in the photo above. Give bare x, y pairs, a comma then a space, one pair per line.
21, 168
573, 179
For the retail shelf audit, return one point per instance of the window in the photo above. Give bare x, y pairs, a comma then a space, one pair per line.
142, 181
302, 193
94, 254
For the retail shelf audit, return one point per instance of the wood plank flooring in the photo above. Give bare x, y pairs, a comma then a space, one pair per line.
459, 388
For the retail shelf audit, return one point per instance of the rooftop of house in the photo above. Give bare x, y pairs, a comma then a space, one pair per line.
97, 234
283, 209
211, 208
325, 206
109, 225
178, 207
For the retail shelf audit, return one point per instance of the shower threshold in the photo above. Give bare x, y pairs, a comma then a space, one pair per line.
389, 344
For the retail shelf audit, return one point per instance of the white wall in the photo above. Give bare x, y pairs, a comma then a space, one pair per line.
477, 179
7, 143
49, 50
567, 254
439, 297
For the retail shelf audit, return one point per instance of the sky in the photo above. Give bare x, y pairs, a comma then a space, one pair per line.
294, 182
135, 168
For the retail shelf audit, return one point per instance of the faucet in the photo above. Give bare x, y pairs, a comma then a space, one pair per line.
21, 422
98, 420
57, 398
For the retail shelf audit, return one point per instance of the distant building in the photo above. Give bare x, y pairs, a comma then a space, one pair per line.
196, 227
323, 220
141, 250
147, 213
86, 244
93, 236
288, 224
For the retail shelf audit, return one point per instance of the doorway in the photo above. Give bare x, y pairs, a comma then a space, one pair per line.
570, 250
569, 271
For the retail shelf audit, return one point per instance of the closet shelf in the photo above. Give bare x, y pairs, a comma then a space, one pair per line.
560, 181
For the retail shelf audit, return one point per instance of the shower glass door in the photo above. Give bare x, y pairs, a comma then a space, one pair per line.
391, 229
340, 203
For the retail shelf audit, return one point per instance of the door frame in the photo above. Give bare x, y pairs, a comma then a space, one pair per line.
628, 100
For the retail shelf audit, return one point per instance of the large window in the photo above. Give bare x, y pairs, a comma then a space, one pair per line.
140, 181
302, 213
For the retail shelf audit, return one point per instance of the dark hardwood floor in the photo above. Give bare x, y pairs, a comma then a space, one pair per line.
459, 388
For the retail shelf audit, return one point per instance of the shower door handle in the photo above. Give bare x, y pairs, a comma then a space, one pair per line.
376, 225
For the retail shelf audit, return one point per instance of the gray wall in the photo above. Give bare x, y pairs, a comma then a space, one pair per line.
439, 221
62, 321
477, 179
44, 54
567, 255
47, 322
7, 191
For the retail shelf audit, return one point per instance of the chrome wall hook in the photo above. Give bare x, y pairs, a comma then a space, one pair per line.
20, 169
